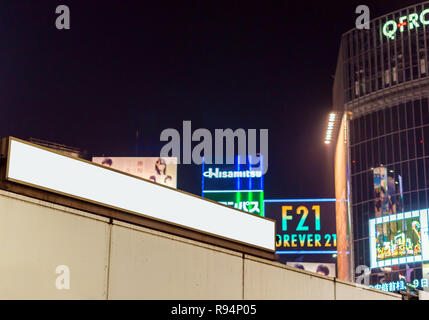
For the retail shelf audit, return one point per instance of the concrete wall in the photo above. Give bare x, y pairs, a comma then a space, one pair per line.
36, 237
353, 291
115, 260
146, 264
272, 280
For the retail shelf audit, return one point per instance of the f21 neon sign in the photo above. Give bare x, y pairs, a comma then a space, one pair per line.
301, 228
413, 21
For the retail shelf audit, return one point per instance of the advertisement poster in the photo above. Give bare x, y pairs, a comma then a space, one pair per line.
403, 243
303, 227
159, 170
386, 191
387, 203
326, 269
380, 191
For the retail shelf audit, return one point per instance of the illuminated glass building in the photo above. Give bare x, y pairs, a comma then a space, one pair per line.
382, 86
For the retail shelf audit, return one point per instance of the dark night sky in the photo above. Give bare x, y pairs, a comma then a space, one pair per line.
149, 65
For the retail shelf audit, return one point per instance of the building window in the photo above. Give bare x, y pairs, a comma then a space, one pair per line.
417, 113
425, 111
402, 116
411, 144
422, 66
396, 148
426, 140
387, 77
395, 124
387, 120
394, 75
410, 119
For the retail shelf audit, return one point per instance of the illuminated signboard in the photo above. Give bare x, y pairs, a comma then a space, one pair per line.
411, 21
304, 226
251, 202
40, 168
401, 285
399, 238
392, 286
239, 185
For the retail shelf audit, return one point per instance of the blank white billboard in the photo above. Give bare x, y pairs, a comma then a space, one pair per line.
40, 168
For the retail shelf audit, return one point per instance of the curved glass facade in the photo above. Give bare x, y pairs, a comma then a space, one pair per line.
373, 61
396, 138
382, 85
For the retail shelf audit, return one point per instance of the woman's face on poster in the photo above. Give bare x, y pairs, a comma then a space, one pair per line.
161, 166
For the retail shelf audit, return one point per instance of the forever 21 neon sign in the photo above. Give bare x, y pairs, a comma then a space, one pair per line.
302, 236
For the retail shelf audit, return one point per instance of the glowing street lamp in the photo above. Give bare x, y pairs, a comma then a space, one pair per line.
332, 125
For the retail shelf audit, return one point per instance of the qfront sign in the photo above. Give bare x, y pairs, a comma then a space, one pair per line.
412, 21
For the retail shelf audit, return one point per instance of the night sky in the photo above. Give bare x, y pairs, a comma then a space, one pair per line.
148, 65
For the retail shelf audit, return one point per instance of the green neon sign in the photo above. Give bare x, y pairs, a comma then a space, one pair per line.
413, 21
247, 201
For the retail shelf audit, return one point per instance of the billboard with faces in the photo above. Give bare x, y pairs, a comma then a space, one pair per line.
326, 269
159, 170
386, 192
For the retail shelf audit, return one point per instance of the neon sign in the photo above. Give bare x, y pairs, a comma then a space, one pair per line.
251, 201
216, 173
391, 286
303, 225
246, 206
413, 21
401, 285
239, 185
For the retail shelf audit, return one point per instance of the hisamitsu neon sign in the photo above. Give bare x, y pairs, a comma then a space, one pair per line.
413, 21
219, 174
